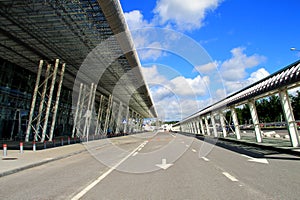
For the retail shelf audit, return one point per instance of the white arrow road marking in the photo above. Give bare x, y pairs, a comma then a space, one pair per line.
258, 160
164, 164
230, 177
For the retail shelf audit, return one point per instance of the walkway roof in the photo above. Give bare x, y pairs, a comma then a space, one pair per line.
69, 31
286, 78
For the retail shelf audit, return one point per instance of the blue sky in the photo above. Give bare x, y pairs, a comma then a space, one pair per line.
198, 51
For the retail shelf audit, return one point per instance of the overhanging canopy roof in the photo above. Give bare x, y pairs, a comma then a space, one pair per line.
70, 30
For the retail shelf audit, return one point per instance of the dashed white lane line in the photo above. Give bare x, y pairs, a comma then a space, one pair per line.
204, 158
100, 178
193, 150
135, 153
187, 145
230, 177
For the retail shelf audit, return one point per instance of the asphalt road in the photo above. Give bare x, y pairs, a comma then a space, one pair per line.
160, 166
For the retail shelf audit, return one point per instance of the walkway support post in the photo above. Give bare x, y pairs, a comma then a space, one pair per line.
201, 125
223, 125
289, 117
213, 121
207, 125
255, 120
235, 123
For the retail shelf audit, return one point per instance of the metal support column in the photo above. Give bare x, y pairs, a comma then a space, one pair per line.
236, 123
89, 111
49, 100
57, 101
126, 120
206, 125
255, 120
202, 126
120, 110
99, 116
289, 117
223, 125
34, 100
198, 125
214, 124
108, 110
78, 112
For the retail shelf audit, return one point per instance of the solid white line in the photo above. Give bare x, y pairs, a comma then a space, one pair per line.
232, 178
206, 159
100, 178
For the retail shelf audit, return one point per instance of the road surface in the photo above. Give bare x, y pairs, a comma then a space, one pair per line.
159, 166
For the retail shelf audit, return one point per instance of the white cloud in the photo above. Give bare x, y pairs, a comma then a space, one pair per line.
152, 75
234, 69
184, 15
177, 97
234, 86
207, 67
135, 20
257, 75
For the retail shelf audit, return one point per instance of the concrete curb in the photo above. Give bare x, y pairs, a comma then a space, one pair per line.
39, 163
262, 146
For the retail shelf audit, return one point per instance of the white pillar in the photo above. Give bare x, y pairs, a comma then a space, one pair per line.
201, 125
236, 123
120, 110
255, 120
223, 123
289, 117
197, 125
207, 126
126, 119
214, 124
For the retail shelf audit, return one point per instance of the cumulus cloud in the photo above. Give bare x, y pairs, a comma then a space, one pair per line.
234, 86
234, 69
184, 15
211, 66
175, 95
135, 20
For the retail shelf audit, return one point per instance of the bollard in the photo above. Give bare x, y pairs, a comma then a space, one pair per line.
69, 140
45, 145
4, 150
33, 146
62, 141
21, 147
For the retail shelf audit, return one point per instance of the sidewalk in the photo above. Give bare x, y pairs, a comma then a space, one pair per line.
16, 161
